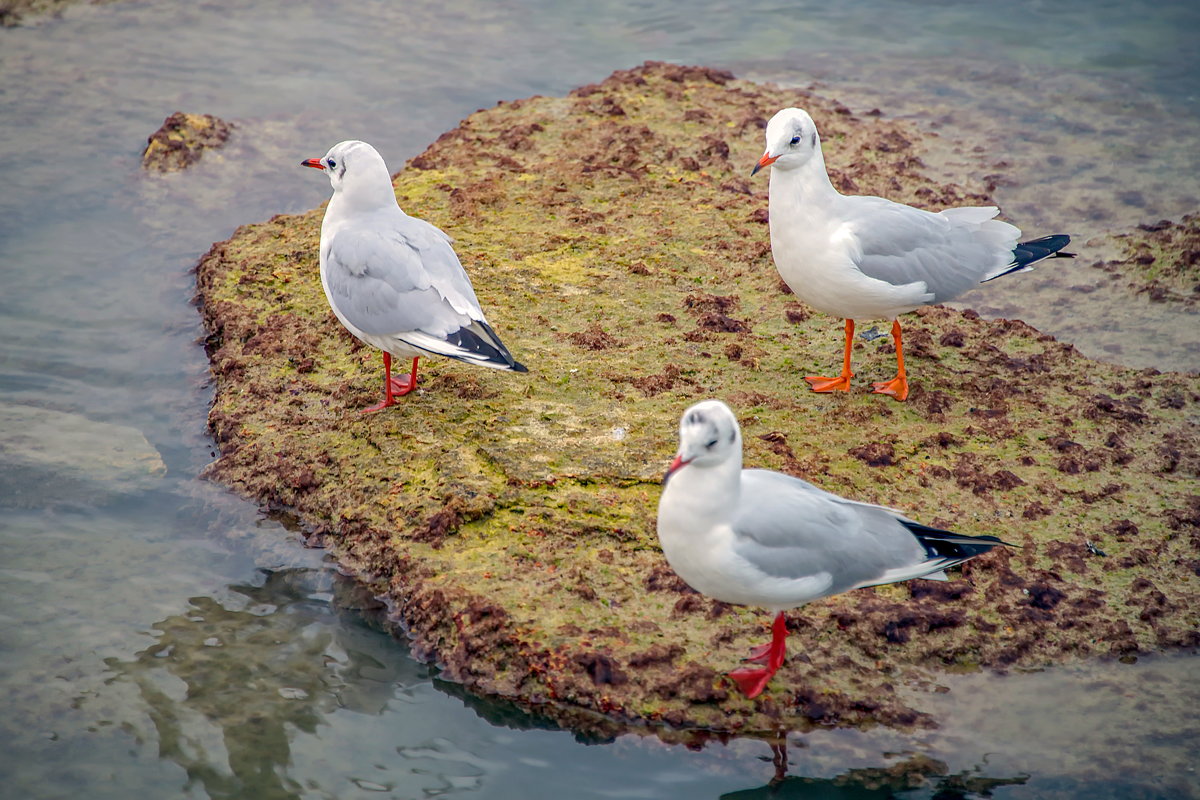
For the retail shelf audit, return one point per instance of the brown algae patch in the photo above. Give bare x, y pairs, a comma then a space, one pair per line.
618, 246
1160, 260
24, 12
182, 140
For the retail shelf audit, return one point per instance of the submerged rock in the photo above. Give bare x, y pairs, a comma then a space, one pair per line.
49, 457
1161, 260
21, 12
182, 139
617, 245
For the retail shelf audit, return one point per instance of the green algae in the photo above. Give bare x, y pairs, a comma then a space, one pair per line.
24, 12
182, 140
618, 247
1161, 260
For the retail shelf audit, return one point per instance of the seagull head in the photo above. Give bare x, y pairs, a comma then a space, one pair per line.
357, 173
708, 437
792, 140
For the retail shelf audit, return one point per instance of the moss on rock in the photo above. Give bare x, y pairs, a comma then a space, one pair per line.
23, 12
182, 140
1161, 260
618, 246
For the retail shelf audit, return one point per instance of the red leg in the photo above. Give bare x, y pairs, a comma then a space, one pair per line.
752, 681
841, 382
897, 387
393, 387
405, 383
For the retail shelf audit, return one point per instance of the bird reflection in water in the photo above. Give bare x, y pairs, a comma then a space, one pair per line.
873, 783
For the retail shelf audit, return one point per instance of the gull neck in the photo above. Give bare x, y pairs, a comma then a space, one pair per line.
803, 185
369, 193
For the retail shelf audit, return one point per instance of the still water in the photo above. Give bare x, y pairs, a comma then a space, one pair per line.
159, 638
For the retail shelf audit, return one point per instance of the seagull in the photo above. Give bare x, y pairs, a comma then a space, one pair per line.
393, 280
861, 257
761, 538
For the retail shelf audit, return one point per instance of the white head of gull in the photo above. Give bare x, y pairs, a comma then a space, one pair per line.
761, 538
393, 280
860, 257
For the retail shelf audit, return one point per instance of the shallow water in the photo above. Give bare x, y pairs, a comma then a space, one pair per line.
164, 639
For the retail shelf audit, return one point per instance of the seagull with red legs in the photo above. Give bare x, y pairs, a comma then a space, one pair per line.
860, 257
393, 280
761, 538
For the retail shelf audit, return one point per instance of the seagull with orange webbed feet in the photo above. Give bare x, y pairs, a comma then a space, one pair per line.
859, 257
761, 538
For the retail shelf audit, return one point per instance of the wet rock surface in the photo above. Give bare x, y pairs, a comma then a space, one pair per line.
182, 140
617, 246
50, 457
1160, 260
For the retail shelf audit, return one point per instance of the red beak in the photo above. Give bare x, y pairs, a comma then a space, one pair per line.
766, 161
677, 464
315, 163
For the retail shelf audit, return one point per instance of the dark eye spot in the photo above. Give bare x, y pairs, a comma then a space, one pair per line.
711, 444
795, 140
331, 163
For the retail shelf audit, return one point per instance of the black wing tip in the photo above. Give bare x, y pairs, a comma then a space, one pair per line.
1035, 250
1055, 241
493, 353
950, 545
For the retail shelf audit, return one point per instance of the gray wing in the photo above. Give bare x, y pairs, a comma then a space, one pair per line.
950, 251
398, 274
789, 528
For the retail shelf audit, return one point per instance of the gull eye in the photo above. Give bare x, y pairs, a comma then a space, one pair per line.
711, 444
795, 140
332, 164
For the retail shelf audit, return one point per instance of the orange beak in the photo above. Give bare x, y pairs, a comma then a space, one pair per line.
315, 163
766, 161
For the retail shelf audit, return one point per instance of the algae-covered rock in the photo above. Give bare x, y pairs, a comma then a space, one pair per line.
50, 457
20, 12
618, 245
182, 139
1161, 260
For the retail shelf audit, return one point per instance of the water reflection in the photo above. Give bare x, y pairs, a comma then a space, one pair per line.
917, 772
227, 684
287, 688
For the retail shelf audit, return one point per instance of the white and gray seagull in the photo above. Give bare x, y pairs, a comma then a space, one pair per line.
393, 280
761, 538
860, 257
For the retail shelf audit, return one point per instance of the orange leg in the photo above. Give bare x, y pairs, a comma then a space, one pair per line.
842, 382
393, 387
752, 681
897, 387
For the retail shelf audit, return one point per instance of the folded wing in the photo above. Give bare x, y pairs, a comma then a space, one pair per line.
950, 251
788, 528
398, 278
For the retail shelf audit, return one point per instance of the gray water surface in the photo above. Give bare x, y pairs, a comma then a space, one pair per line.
160, 638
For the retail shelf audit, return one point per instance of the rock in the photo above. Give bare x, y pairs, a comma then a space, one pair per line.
1161, 260
49, 457
514, 534
182, 139
22, 12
